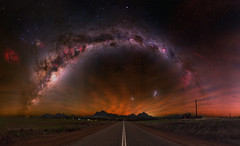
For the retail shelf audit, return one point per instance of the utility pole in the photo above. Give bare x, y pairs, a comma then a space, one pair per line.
196, 106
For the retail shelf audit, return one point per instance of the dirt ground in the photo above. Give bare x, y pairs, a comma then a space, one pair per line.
63, 138
45, 131
183, 140
196, 132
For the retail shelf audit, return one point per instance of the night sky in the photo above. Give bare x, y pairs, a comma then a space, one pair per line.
79, 57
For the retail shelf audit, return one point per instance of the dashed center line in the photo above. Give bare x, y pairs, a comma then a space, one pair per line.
124, 140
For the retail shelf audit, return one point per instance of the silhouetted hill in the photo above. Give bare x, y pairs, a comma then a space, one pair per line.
132, 116
58, 115
105, 114
47, 116
140, 116
143, 115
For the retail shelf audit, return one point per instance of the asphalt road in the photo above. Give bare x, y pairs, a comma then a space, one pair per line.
123, 134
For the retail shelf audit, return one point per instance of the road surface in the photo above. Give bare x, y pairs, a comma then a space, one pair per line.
123, 134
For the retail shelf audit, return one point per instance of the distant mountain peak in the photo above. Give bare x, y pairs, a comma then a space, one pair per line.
132, 115
104, 114
143, 115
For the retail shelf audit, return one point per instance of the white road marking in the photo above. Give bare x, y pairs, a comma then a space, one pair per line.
124, 140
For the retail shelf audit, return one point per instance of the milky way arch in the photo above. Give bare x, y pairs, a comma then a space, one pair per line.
73, 46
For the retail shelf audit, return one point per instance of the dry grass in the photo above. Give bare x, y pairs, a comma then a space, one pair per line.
22, 128
221, 130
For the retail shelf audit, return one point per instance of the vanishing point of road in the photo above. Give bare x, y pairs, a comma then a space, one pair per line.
123, 134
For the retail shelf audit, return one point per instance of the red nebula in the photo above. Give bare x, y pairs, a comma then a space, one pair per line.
11, 56
187, 78
80, 49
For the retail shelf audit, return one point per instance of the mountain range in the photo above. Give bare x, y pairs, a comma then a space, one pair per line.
142, 115
103, 115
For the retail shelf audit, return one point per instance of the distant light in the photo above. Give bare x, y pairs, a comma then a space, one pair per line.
132, 98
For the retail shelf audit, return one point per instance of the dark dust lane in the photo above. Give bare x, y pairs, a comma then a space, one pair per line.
123, 134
